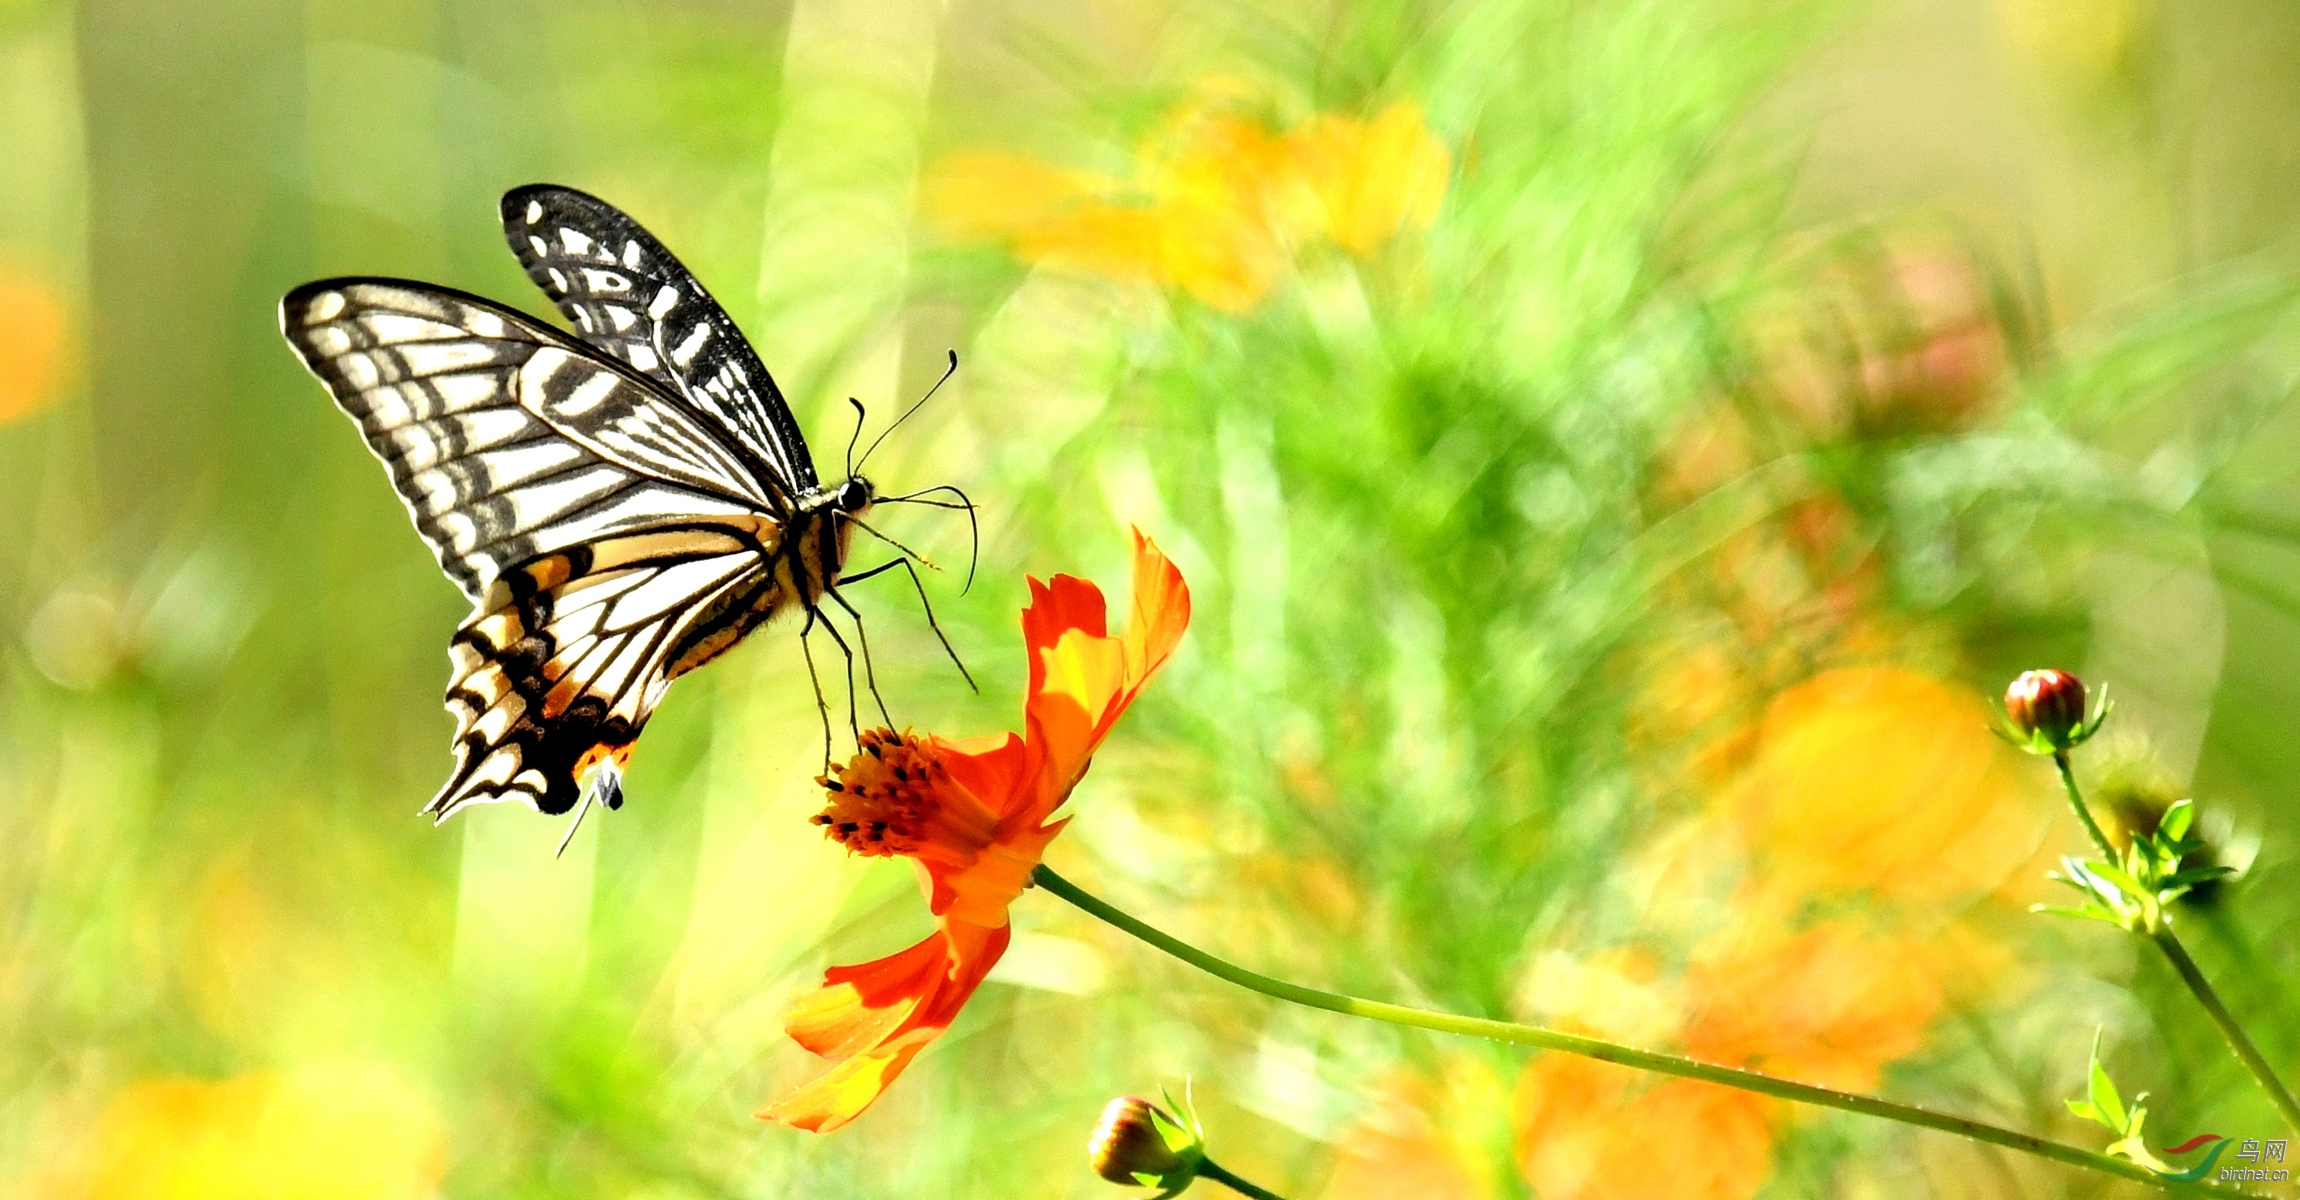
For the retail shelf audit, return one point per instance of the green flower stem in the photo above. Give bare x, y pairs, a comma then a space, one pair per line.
2186, 967
1603, 1051
2076, 804
1212, 1170
2246, 1052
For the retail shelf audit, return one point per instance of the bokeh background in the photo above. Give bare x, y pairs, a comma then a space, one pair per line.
1616, 447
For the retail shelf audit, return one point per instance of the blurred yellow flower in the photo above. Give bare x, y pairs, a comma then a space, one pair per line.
1371, 178
1215, 205
354, 1133
2082, 44
32, 320
1883, 780
1616, 994
1426, 1136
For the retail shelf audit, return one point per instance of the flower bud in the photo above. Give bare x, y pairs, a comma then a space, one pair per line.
1141, 1144
2046, 710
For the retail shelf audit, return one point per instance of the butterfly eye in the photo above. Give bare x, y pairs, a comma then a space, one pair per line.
855, 494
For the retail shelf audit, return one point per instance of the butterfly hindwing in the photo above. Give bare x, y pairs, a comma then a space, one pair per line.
569, 653
629, 296
505, 439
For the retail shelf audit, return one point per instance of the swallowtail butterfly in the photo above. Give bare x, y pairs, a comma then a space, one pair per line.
620, 508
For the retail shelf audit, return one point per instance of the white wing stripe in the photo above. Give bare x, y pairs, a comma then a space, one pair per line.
438, 358
544, 503
670, 588
389, 327
587, 395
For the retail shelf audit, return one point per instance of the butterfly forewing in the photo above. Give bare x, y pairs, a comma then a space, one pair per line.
627, 295
504, 438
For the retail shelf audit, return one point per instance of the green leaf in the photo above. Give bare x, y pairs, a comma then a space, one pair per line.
2103, 1090
2176, 820
2089, 912
2084, 1109
2117, 877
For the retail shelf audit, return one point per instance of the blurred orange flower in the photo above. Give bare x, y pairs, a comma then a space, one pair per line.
1216, 203
972, 817
1883, 780
345, 1134
1829, 1005
1585, 1132
31, 345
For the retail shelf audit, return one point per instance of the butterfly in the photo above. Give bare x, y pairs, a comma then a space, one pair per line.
619, 507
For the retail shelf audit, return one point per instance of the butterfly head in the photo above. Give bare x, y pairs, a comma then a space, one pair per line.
855, 496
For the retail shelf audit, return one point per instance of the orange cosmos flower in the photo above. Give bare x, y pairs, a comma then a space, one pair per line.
972, 816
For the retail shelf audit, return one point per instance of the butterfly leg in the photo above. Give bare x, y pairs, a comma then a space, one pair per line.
862, 638
822, 706
923, 603
854, 716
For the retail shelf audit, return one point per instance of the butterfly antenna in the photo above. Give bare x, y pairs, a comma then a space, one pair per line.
973, 527
854, 437
947, 372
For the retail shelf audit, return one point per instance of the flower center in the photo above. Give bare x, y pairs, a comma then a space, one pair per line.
895, 797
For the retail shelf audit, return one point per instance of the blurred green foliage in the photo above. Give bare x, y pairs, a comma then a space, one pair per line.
1749, 341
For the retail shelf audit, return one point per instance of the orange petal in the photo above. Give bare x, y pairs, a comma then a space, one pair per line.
840, 1094
1081, 678
1161, 611
873, 1018
862, 1005
980, 893
990, 767
1056, 608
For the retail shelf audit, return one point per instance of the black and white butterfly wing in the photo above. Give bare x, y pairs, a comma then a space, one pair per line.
539, 471
629, 296
569, 653
504, 438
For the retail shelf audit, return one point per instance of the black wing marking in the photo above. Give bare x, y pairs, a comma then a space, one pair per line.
629, 296
569, 653
506, 439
